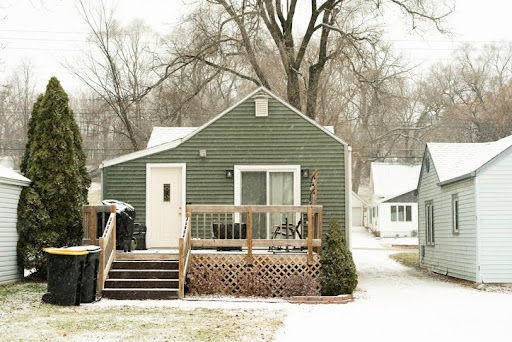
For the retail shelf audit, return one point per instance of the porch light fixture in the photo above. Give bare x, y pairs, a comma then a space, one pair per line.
202, 153
304, 173
229, 174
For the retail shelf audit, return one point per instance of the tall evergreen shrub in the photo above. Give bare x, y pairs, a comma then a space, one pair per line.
338, 273
50, 210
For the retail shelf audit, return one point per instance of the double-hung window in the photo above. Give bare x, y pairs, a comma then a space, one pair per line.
429, 222
455, 214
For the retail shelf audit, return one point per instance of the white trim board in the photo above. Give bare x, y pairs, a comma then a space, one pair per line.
173, 144
149, 166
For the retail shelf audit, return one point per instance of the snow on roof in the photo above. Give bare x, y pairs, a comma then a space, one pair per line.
393, 179
10, 176
453, 160
162, 135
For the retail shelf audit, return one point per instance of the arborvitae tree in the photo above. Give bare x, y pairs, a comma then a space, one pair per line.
34, 117
81, 160
50, 210
338, 275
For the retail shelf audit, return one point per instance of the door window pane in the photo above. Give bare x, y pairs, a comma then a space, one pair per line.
167, 192
281, 188
254, 188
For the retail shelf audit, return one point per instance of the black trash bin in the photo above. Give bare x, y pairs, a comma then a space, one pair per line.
125, 218
90, 275
65, 271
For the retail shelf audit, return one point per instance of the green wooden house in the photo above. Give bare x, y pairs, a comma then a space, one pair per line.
261, 151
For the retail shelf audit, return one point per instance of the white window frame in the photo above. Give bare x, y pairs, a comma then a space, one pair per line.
455, 214
429, 223
238, 169
396, 206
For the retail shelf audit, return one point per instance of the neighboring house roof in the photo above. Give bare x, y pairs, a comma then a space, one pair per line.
162, 135
357, 197
454, 161
172, 144
393, 179
9, 176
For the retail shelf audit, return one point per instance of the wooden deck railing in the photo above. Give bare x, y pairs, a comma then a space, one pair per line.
184, 257
100, 220
256, 226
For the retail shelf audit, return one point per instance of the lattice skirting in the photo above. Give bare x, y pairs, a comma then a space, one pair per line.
272, 269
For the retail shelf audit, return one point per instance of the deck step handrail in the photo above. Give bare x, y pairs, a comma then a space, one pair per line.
184, 256
107, 242
105, 215
248, 226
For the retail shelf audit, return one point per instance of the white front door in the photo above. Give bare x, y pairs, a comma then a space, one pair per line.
165, 206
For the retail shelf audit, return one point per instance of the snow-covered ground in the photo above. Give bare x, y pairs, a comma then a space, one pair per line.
392, 303
395, 303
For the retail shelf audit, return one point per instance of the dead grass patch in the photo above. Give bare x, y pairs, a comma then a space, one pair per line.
23, 317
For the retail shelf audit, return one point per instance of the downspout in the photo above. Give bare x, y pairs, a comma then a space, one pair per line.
348, 195
477, 227
101, 183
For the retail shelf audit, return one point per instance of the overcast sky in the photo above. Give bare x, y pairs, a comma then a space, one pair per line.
46, 31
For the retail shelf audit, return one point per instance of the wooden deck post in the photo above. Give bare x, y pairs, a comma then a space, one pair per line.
181, 281
249, 235
94, 226
310, 236
320, 230
114, 238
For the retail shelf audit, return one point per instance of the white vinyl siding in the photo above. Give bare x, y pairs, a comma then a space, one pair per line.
9, 195
494, 189
452, 254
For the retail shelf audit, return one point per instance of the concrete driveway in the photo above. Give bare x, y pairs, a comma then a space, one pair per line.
395, 303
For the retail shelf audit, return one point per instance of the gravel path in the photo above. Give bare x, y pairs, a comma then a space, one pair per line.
395, 303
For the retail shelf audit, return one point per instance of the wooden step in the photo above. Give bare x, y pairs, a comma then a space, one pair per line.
142, 274
142, 283
142, 293
146, 256
146, 264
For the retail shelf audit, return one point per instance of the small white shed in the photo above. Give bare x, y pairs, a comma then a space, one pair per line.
11, 184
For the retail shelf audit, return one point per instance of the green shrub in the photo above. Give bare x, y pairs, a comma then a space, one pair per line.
338, 273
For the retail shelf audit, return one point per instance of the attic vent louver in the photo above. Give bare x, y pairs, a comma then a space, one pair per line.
261, 102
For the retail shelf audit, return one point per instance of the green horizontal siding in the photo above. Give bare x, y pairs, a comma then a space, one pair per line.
241, 138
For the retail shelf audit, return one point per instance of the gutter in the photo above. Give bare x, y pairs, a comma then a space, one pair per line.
457, 179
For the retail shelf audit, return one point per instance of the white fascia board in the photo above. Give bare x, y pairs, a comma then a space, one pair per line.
173, 144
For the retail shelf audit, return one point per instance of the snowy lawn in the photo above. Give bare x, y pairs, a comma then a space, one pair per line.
23, 317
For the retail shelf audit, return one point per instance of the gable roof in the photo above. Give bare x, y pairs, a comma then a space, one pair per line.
393, 179
359, 198
454, 161
9, 176
177, 142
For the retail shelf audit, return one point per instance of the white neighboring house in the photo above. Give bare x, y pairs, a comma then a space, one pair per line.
359, 211
393, 207
11, 184
465, 216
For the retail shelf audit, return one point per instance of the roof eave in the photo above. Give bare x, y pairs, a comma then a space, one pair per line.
457, 179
